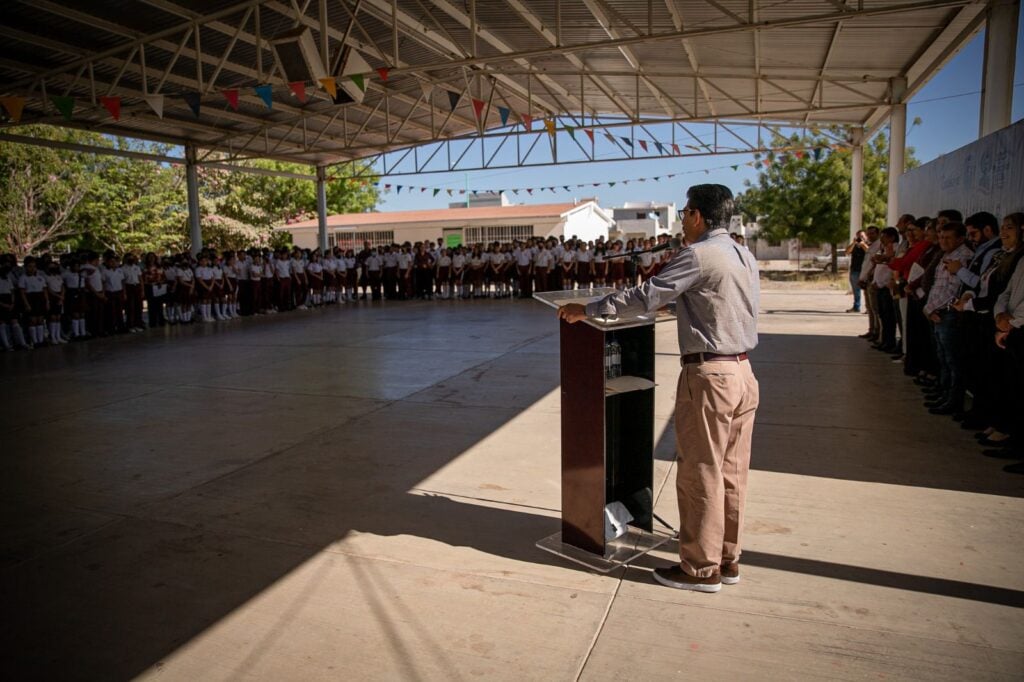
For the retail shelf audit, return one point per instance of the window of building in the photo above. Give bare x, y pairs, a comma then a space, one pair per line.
354, 240
498, 233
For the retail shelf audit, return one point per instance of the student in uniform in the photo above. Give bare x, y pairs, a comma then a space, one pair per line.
374, 265
74, 301
568, 269
390, 258
258, 302
460, 284
113, 288
283, 280
300, 282
584, 266
154, 288
315, 273
230, 279
330, 263
475, 270
600, 265
8, 336
617, 266
541, 265
524, 268
132, 293
55, 300
351, 274
32, 291
204, 276
646, 261
444, 273
185, 289
423, 265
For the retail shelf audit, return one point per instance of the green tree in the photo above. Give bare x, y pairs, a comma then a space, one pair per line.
804, 193
133, 205
41, 188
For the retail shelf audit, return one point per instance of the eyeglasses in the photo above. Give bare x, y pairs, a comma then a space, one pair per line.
685, 211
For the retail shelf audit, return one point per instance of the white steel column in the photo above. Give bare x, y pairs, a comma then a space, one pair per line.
321, 208
857, 183
195, 230
997, 73
897, 147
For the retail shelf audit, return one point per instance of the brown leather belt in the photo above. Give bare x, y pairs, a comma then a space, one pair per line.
692, 358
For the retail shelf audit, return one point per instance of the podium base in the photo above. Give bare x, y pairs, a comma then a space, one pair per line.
618, 552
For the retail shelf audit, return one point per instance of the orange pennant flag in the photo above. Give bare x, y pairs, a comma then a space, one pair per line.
550, 125
527, 121
590, 133
113, 105
330, 85
14, 107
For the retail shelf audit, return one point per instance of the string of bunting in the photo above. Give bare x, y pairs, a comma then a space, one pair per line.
770, 158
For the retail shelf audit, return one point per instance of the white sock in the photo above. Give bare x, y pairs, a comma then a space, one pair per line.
18, 334
55, 332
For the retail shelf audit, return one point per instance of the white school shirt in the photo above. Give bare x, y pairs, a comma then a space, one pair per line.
524, 257
242, 268
646, 259
55, 283
476, 261
72, 279
373, 263
6, 286
543, 259
186, 275
268, 270
205, 273
32, 284
584, 256
315, 268
444, 261
113, 279
132, 274
350, 263
255, 271
390, 260
459, 261
568, 258
283, 268
404, 261
298, 267
330, 264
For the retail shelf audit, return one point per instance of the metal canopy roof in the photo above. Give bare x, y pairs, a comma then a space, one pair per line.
589, 62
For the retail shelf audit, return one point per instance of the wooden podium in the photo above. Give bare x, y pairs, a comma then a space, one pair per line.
607, 436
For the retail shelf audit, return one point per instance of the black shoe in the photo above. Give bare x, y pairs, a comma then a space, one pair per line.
937, 402
898, 357
921, 381
943, 410
1017, 468
1004, 443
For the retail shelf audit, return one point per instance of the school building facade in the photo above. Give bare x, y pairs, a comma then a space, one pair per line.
459, 224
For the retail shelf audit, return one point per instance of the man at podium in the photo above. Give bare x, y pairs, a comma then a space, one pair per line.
714, 283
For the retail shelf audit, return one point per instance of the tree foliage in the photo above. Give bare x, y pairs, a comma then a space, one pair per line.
53, 198
805, 193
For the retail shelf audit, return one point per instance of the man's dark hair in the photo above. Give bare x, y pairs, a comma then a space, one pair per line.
952, 215
981, 219
922, 222
907, 217
957, 227
892, 233
872, 227
714, 202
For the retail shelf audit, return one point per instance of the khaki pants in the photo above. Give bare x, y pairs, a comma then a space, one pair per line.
714, 422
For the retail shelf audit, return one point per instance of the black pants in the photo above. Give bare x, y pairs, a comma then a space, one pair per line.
155, 308
979, 350
887, 317
1008, 403
424, 281
920, 346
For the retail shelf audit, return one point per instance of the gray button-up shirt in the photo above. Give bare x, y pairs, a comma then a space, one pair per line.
715, 284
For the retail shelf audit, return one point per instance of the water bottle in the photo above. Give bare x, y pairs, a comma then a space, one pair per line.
608, 360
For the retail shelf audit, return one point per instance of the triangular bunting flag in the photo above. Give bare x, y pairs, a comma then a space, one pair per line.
360, 82
657, 178
65, 105
449, 192
113, 105
330, 85
611, 184
422, 190
192, 99
478, 107
156, 103
436, 191
299, 89
659, 147
527, 121
735, 167
643, 144
503, 112
625, 182
675, 148
398, 190
626, 140
266, 94
231, 95
611, 138
387, 186
453, 99
14, 107
817, 153
590, 134
427, 89
549, 123
571, 131
565, 187
515, 191
383, 73
530, 192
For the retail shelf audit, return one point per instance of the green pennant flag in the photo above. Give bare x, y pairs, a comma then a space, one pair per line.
571, 131
611, 184
735, 167
357, 78
436, 191
65, 105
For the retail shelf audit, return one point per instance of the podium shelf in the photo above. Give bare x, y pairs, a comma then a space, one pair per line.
617, 553
626, 384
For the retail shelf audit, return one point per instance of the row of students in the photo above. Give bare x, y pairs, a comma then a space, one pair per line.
85, 294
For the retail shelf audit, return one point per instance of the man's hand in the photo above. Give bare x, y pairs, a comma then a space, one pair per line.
953, 266
1003, 322
934, 317
1001, 339
572, 313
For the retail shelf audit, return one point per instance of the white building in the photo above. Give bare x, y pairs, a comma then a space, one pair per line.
494, 221
644, 220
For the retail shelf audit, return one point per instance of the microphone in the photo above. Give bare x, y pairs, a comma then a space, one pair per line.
672, 243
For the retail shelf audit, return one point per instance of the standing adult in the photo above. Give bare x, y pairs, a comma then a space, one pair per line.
714, 283
856, 250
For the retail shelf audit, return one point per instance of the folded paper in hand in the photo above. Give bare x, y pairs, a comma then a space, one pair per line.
616, 520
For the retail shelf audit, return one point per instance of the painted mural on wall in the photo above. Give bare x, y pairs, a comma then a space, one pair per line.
986, 175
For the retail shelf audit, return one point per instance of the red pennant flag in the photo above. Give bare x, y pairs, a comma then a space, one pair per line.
643, 144
383, 73
590, 133
232, 97
478, 107
527, 121
113, 105
299, 88
675, 148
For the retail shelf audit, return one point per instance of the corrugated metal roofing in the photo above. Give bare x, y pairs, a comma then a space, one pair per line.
526, 52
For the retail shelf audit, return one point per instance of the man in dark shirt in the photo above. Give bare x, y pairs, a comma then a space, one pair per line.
856, 250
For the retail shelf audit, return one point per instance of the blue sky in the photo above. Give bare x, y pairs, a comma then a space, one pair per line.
948, 107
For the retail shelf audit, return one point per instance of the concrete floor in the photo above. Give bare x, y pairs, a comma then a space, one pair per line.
356, 493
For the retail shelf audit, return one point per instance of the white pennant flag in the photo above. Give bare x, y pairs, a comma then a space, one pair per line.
427, 89
156, 103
